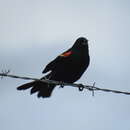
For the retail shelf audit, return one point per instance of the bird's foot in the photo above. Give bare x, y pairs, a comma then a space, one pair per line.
80, 87
61, 84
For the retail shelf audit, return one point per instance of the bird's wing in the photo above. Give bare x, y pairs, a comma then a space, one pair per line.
57, 60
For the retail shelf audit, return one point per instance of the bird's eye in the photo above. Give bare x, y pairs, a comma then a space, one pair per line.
84, 42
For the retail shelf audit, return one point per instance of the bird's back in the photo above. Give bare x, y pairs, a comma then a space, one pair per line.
72, 67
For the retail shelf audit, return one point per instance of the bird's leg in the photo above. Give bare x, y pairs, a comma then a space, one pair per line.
61, 84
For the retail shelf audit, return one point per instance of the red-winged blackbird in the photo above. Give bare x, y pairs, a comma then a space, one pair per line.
67, 67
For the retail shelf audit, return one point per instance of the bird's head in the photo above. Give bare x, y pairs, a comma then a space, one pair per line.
81, 42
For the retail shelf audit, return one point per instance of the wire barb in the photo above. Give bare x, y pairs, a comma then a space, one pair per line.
93, 89
62, 84
4, 72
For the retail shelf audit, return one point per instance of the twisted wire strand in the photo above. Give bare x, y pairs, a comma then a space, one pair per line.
91, 88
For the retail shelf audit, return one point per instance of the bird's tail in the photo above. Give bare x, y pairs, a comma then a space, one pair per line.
44, 90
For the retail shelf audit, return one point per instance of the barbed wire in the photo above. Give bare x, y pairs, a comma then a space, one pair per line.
81, 87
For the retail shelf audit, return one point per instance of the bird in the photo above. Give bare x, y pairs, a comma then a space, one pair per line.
67, 67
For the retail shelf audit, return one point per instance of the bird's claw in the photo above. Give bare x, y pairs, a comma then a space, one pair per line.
61, 84
81, 87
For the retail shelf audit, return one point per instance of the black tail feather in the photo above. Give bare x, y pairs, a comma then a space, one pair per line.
34, 89
44, 90
26, 86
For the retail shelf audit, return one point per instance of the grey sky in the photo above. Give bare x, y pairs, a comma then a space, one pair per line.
34, 32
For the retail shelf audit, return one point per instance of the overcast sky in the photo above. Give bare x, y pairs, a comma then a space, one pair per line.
34, 32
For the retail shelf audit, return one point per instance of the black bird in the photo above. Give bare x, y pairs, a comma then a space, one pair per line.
67, 67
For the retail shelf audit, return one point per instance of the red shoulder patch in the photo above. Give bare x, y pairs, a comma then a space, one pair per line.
66, 54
